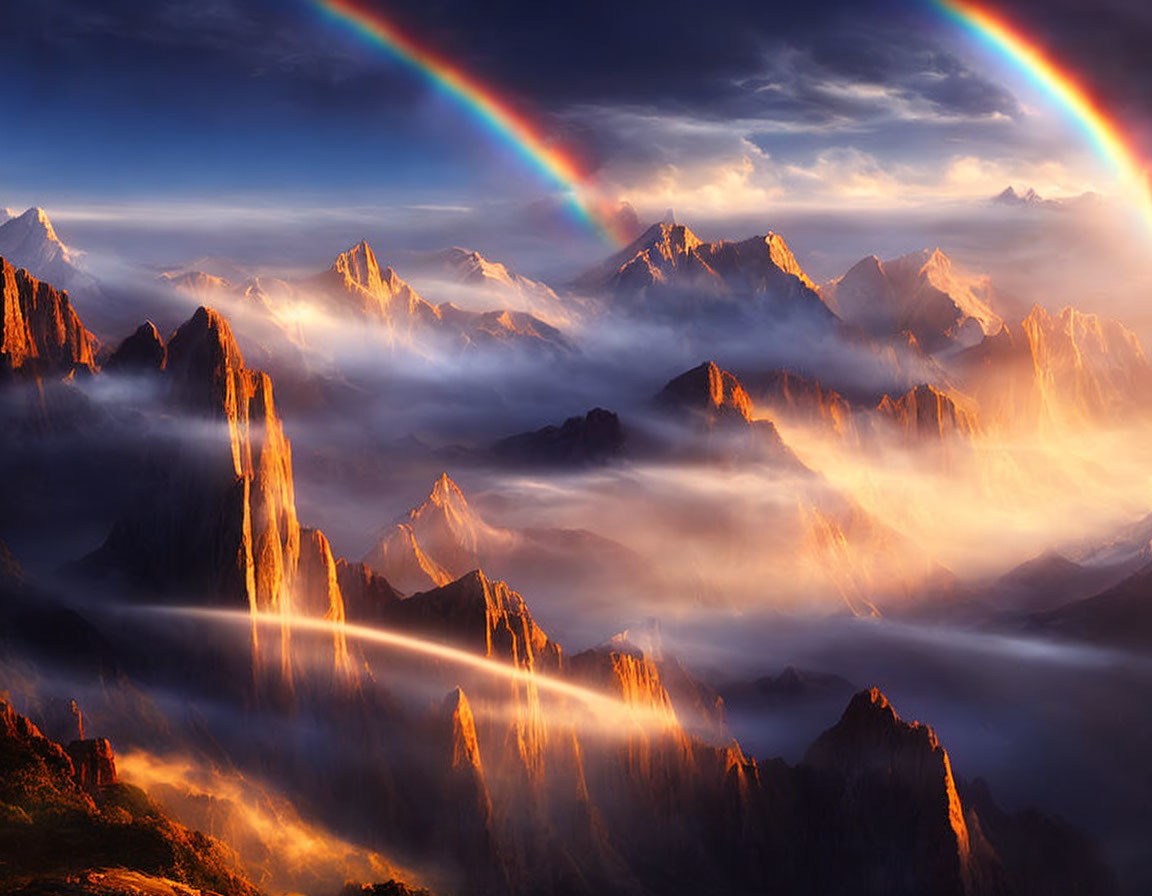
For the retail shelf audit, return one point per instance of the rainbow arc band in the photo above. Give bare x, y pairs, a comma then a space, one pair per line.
496, 114
1106, 135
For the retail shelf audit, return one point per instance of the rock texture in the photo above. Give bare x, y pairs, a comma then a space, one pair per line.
714, 404
927, 413
1070, 368
218, 522
921, 293
669, 270
41, 333
789, 395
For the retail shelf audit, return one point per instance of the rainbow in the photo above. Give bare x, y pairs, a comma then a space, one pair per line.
558, 168
1105, 134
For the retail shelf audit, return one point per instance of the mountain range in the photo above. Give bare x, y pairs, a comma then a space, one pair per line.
418, 701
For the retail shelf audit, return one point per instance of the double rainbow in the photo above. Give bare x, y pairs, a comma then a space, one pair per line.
501, 119
1105, 134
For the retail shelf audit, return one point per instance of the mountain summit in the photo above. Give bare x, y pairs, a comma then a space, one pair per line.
669, 268
921, 293
29, 241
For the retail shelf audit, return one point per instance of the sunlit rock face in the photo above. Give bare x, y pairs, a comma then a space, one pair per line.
495, 285
669, 269
804, 399
41, 334
481, 614
358, 283
714, 404
713, 394
921, 293
435, 542
1067, 368
927, 413
219, 521
93, 764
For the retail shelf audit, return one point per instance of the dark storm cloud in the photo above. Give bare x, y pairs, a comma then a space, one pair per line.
832, 64
673, 56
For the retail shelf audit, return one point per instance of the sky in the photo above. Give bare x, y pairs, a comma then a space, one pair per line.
231, 120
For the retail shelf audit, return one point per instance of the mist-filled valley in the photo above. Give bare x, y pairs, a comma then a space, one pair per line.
373, 587
575, 450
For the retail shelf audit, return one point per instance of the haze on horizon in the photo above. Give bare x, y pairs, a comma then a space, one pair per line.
350, 473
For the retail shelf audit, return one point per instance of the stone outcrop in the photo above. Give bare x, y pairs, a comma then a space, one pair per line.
717, 408
596, 438
791, 396
926, 413
218, 523
93, 764
40, 332
670, 270
142, 352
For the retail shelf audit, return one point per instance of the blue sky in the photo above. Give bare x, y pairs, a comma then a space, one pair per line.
739, 111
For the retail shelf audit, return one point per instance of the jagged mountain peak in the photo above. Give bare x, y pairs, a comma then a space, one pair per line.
36, 220
39, 328
457, 710
143, 351
922, 292
480, 612
707, 388
358, 266
30, 241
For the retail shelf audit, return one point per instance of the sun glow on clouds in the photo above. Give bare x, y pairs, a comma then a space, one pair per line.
279, 850
748, 180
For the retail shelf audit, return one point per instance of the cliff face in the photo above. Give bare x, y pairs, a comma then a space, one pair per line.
1086, 367
40, 332
926, 413
481, 614
1057, 369
218, 522
895, 798
803, 399
714, 404
435, 542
